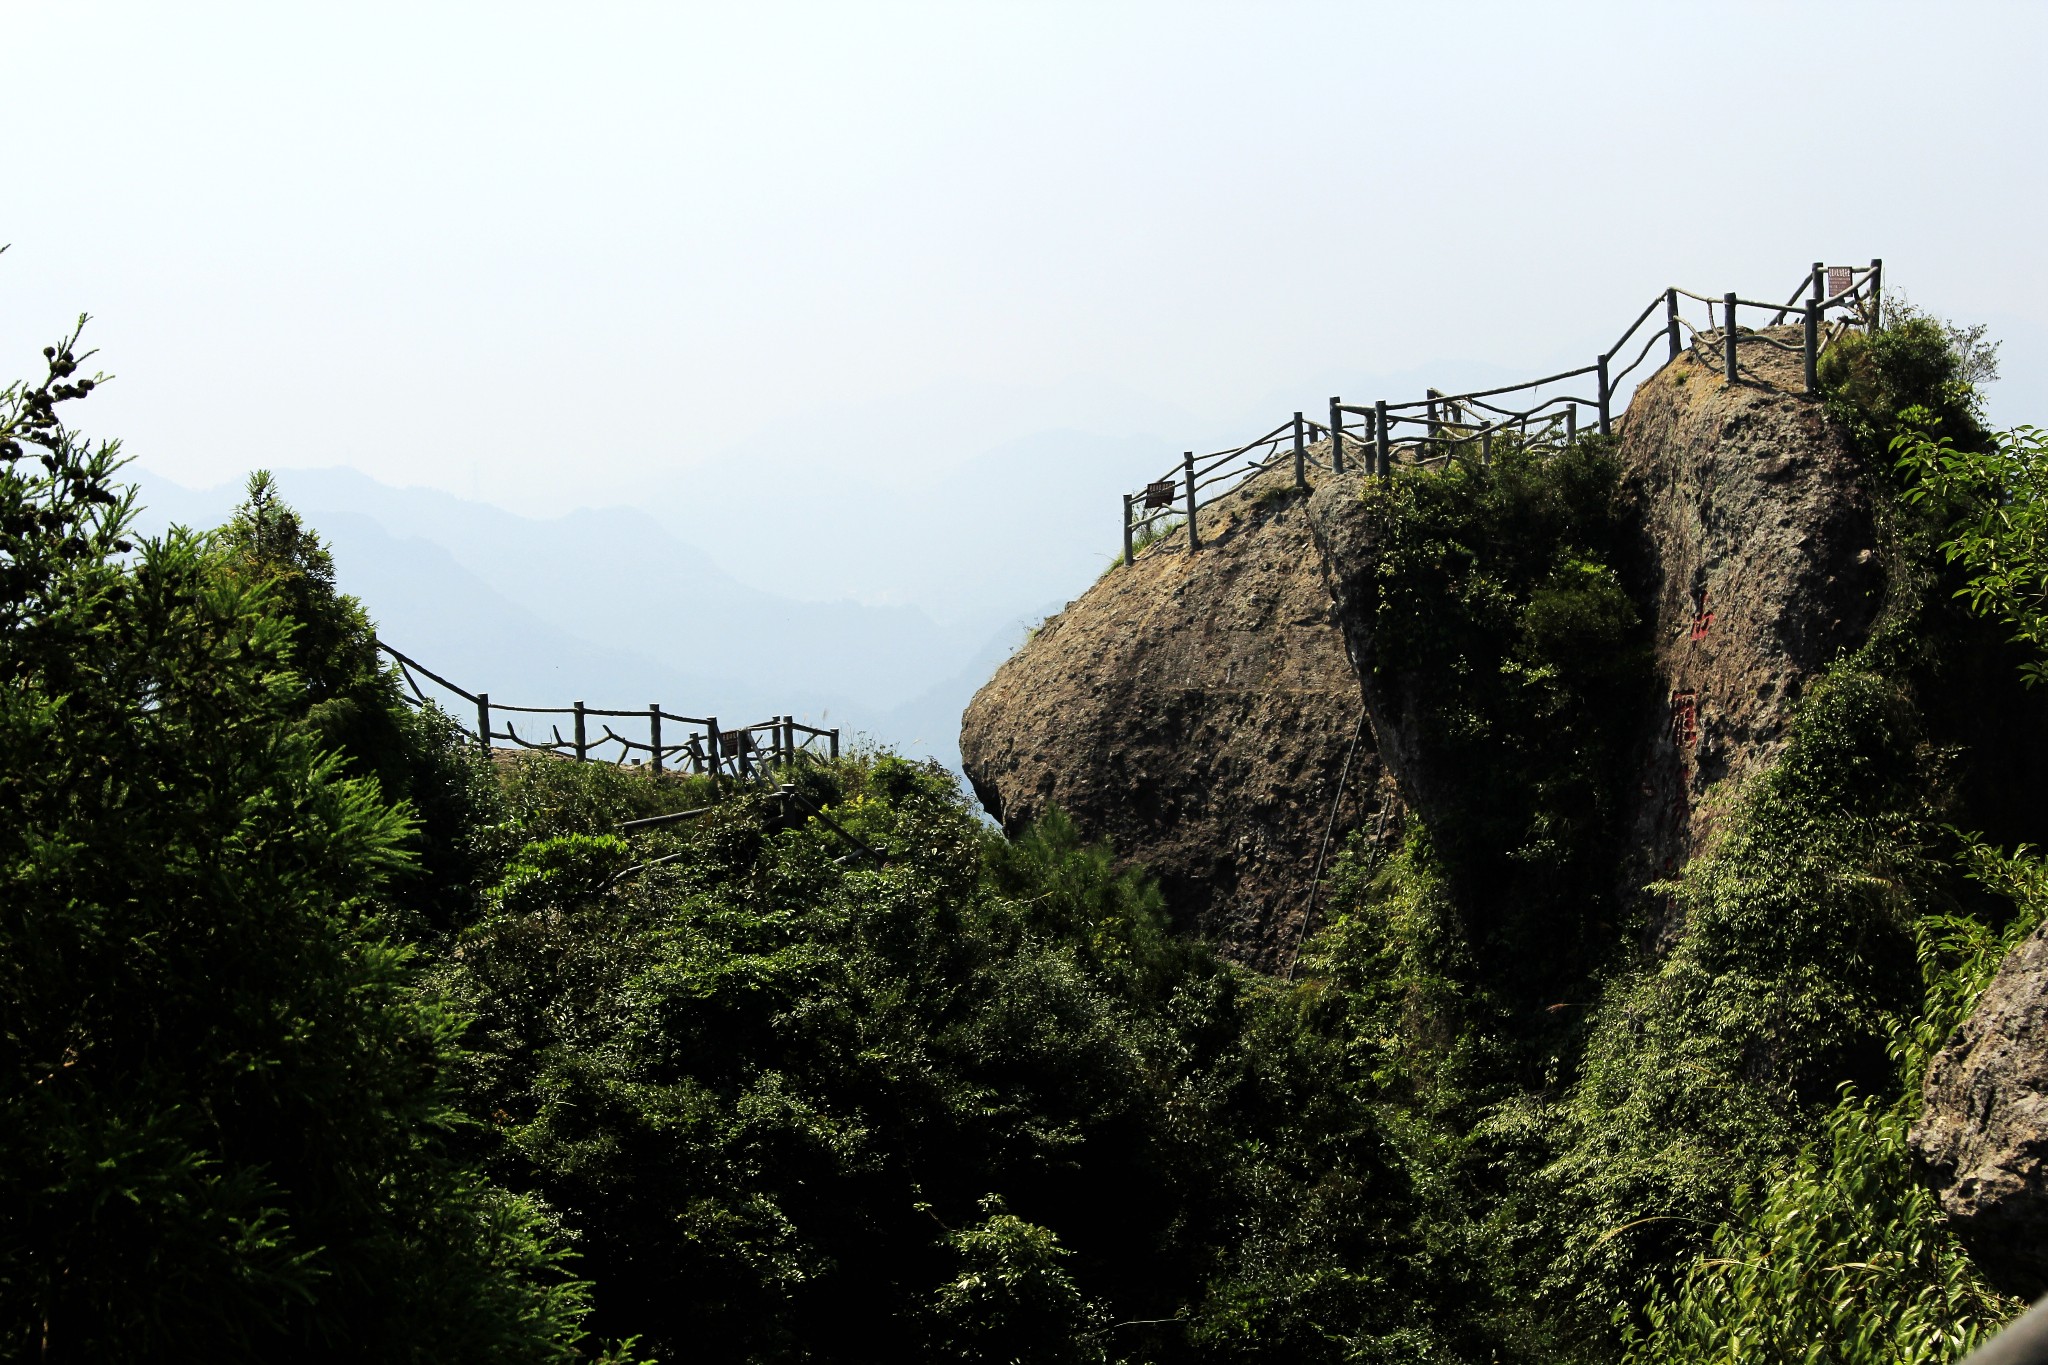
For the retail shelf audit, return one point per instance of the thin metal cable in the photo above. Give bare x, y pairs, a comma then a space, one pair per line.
1316, 881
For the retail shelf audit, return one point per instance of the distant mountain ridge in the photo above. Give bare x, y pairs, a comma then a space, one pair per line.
612, 608
873, 590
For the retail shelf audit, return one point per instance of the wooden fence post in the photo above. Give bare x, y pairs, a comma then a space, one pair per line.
483, 720
1337, 435
1813, 346
1382, 446
580, 746
788, 740
1817, 287
1606, 397
1876, 292
1671, 321
1571, 423
835, 743
1127, 530
711, 750
654, 732
1486, 444
1187, 464
1728, 333
1300, 455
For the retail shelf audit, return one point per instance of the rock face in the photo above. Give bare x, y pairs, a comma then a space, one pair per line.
1342, 538
1198, 710
1983, 1135
1756, 563
1759, 564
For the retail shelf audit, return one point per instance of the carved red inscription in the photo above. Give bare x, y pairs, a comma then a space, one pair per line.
1685, 720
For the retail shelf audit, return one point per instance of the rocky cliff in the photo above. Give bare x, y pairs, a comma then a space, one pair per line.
1197, 709
1759, 549
1983, 1134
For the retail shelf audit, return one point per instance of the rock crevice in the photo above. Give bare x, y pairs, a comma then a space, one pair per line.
1197, 708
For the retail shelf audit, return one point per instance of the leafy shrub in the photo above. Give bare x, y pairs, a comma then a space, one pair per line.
1994, 501
1012, 1297
1872, 379
1797, 954
352, 706
224, 1129
1839, 1258
1505, 637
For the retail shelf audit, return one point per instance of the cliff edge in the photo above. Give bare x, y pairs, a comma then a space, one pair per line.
1196, 709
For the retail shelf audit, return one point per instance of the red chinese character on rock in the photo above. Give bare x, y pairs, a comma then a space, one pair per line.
1685, 720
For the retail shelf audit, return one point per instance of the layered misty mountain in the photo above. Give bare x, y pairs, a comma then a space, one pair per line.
871, 579
613, 608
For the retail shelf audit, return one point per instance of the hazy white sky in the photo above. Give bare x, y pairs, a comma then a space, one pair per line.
482, 246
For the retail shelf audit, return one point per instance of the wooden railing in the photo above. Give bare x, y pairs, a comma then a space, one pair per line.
1541, 413
669, 742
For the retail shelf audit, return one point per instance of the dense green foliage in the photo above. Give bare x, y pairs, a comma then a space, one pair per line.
1996, 496
1797, 956
353, 706
1838, 1257
223, 1127
800, 1104
329, 1037
1505, 636
1841, 1255
1916, 371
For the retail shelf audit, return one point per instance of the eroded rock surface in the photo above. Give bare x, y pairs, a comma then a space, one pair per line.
1758, 550
1197, 709
1983, 1134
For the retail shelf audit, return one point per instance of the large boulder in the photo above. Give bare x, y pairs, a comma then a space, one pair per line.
1983, 1130
1198, 710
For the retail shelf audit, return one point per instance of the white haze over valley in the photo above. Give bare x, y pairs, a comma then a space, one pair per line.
793, 359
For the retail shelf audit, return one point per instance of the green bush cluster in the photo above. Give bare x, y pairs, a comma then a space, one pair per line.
796, 1102
1797, 954
225, 1126
1506, 638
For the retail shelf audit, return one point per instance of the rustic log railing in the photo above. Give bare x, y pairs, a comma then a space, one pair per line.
1542, 414
669, 742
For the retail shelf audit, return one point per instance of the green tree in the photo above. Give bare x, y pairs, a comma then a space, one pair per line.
1013, 1300
776, 1089
223, 1128
1994, 499
354, 706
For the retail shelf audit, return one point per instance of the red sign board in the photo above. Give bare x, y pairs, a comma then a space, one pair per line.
1840, 278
